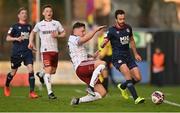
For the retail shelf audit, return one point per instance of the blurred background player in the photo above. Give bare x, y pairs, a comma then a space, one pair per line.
105, 54
120, 35
19, 35
49, 30
87, 69
158, 61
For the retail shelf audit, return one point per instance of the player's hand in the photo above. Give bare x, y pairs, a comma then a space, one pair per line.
96, 54
100, 27
19, 39
138, 57
32, 47
54, 34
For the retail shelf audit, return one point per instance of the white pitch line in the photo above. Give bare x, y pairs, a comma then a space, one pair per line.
79, 91
171, 103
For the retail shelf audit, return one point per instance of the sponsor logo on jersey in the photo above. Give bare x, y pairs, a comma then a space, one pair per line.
25, 35
48, 32
124, 40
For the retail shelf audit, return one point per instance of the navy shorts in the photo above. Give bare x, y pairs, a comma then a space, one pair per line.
25, 57
124, 59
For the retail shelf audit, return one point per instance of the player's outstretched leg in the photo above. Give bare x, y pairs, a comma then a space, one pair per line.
90, 90
94, 78
124, 92
87, 98
75, 101
101, 92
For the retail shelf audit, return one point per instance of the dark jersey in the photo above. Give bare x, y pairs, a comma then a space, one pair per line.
120, 39
20, 30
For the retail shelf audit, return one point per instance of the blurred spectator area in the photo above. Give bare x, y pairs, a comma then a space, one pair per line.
149, 14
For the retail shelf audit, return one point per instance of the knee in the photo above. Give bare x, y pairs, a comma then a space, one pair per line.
138, 79
103, 93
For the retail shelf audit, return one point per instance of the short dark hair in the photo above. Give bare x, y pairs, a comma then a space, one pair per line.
78, 25
47, 6
119, 11
20, 9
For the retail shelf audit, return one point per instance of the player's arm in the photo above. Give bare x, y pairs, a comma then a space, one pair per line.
9, 38
31, 41
105, 41
58, 34
133, 47
11, 35
62, 34
89, 35
60, 31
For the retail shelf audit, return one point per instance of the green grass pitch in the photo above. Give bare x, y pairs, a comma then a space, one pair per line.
113, 102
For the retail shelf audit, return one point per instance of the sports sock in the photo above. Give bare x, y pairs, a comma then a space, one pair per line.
47, 80
134, 81
105, 83
95, 75
31, 81
41, 73
124, 85
89, 98
8, 79
132, 89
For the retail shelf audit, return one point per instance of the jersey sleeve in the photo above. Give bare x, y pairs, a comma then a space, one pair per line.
130, 29
74, 39
60, 27
11, 31
36, 28
108, 34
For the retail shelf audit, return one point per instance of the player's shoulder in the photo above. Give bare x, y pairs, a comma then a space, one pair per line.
128, 26
14, 25
40, 22
111, 28
73, 38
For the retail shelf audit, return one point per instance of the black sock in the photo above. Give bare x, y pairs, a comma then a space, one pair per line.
105, 83
8, 79
92, 88
134, 81
31, 81
132, 89
124, 85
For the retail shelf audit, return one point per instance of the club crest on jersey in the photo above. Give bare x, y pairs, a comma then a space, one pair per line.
54, 24
127, 30
117, 32
119, 61
29, 28
19, 27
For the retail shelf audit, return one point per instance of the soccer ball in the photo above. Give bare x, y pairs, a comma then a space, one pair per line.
157, 97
